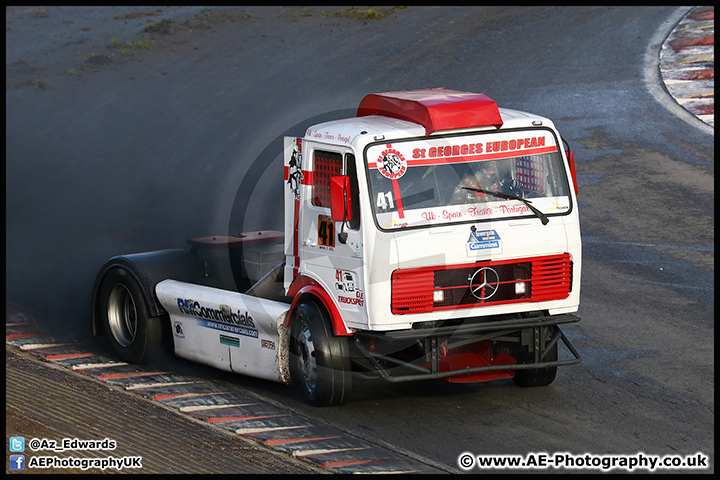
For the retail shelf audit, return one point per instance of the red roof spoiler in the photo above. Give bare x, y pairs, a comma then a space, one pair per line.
435, 108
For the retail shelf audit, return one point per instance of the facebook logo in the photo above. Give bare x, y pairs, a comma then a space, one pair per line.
17, 462
17, 444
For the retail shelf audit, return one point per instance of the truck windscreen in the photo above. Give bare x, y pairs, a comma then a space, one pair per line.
444, 180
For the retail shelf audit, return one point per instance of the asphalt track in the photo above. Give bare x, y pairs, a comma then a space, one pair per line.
182, 433
43, 402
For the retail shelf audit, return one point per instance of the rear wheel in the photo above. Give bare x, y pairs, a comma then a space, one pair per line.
133, 333
319, 361
535, 377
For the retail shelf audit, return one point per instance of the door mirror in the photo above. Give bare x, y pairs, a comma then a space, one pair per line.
340, 204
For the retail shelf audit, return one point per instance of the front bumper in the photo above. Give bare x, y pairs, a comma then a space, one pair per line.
439, 340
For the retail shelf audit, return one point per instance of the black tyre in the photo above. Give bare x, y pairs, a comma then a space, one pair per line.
536, 377
319, 361
133, 333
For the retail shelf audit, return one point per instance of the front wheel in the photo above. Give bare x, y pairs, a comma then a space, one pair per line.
133, 333
536, 377
319, 361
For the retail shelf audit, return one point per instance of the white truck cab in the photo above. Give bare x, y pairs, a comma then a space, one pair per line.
433, 235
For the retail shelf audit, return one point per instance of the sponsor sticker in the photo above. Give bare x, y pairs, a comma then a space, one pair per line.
345, 282
483, 241
392, 164
231, 341
248, 332
178, 330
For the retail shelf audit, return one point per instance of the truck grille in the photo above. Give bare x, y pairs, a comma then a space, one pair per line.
535, 279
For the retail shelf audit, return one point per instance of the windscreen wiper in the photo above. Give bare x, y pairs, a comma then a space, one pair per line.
544, 219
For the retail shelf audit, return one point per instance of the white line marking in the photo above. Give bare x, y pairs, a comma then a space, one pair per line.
244, 431
198, 408
139, 386
305, 453
89, 366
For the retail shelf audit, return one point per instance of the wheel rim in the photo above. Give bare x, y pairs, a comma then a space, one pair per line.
122, 315
307, 364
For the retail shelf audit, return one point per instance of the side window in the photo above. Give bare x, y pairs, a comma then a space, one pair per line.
326, 165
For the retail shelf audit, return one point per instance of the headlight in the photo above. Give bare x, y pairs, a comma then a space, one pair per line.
438, 296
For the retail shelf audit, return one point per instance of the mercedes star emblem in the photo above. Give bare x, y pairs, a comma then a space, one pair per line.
484, 283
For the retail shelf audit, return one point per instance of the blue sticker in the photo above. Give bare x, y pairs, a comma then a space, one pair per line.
483, 241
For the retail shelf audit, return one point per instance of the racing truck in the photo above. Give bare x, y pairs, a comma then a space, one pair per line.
432, 236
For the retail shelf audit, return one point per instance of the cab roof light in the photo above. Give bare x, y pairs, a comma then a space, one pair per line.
435, 108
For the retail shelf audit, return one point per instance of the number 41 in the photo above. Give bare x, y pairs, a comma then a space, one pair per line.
382, 203
326, 233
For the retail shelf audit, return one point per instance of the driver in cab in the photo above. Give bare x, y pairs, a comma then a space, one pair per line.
485, 177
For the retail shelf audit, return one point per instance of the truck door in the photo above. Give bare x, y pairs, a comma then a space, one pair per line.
331, 258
